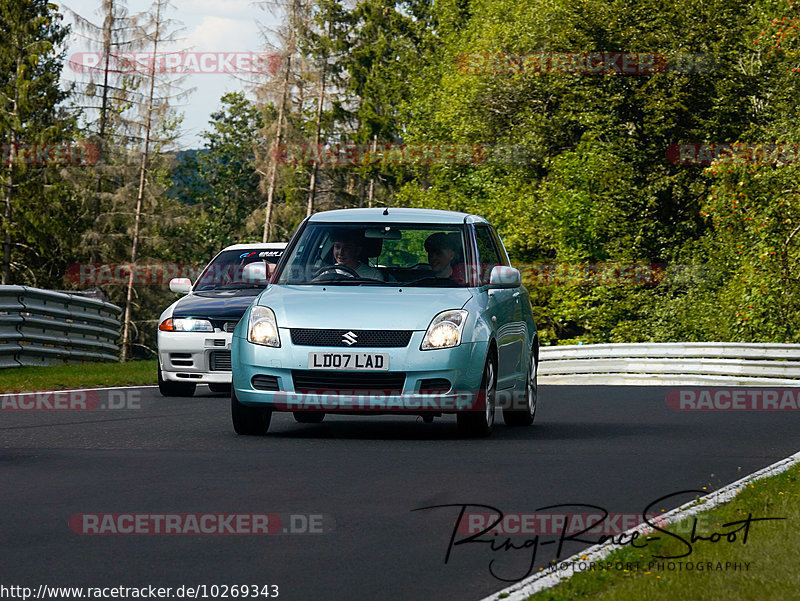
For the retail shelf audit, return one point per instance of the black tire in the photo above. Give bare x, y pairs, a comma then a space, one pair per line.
525, 417
478, 423
220, 388
308, 417
249, 421
167, 388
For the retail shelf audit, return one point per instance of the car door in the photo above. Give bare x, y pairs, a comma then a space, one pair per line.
519, 355
503, 305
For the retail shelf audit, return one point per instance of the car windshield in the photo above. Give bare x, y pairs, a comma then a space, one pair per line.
377, 255
225, 271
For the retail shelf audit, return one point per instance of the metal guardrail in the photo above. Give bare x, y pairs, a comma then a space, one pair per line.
42, 327
672, 364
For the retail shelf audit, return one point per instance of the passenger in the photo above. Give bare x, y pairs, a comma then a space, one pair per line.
443, 249
347, 248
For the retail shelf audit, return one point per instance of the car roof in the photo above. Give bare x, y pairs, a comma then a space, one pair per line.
393, 215
256, 246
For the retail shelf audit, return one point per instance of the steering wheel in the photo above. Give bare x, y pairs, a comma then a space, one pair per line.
341, 269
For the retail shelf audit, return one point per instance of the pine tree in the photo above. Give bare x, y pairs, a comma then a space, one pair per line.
31, 60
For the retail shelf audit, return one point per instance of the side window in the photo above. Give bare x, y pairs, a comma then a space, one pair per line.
500, 248
488, 256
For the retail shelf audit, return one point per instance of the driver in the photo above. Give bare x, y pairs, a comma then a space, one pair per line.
347, 248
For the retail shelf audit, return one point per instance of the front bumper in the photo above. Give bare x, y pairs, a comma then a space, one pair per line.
461, 366
201, 357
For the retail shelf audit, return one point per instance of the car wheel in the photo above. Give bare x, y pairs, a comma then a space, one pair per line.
252, 421
525, 417
308, 417
221, 388
479, 423
167, 388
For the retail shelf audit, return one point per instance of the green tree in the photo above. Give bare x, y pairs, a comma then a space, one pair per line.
224, 175
31, 60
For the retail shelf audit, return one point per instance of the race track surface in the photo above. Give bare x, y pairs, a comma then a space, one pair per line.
615, 447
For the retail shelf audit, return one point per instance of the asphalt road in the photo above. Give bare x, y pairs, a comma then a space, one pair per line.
615, 447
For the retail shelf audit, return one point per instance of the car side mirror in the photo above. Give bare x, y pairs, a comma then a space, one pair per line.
255, 273
180, 285
504, 277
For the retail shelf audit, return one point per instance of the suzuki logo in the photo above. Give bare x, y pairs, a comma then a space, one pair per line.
349, 339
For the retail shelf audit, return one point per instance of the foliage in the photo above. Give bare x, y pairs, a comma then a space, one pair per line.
577, 167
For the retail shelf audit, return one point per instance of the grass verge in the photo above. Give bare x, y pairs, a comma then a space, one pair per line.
82, 375
772, 549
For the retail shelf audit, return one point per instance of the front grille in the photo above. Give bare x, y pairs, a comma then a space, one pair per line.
261, 382
357, 383
220, 361
362, 338
225, 326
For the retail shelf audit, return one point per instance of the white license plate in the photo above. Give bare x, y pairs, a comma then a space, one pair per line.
349, 361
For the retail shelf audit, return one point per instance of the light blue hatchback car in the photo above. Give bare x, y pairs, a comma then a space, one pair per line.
398, 310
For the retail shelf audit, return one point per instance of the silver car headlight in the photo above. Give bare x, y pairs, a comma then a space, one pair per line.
445, 330
262, 327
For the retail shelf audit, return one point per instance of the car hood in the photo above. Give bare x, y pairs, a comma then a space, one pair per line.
360, 307
216, 304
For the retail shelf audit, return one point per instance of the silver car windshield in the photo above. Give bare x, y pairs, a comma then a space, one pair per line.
225, 271
377, 255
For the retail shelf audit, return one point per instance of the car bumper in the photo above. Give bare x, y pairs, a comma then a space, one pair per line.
200, 357
461, 366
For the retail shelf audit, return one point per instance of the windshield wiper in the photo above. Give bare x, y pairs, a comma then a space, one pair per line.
347, 281
433, 281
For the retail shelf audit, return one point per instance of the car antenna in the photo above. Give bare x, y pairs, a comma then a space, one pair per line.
386, 211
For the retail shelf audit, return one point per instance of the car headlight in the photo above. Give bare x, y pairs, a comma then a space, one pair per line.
187, 324
262, 327
445, 330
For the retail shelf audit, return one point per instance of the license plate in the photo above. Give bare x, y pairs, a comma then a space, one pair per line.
349, 361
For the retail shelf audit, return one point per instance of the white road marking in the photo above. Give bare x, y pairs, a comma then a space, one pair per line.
546, 579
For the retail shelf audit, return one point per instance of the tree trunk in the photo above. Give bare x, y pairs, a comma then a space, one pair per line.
108, 25
371, 193
140, 194
273, 165
312, 188
9, 195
